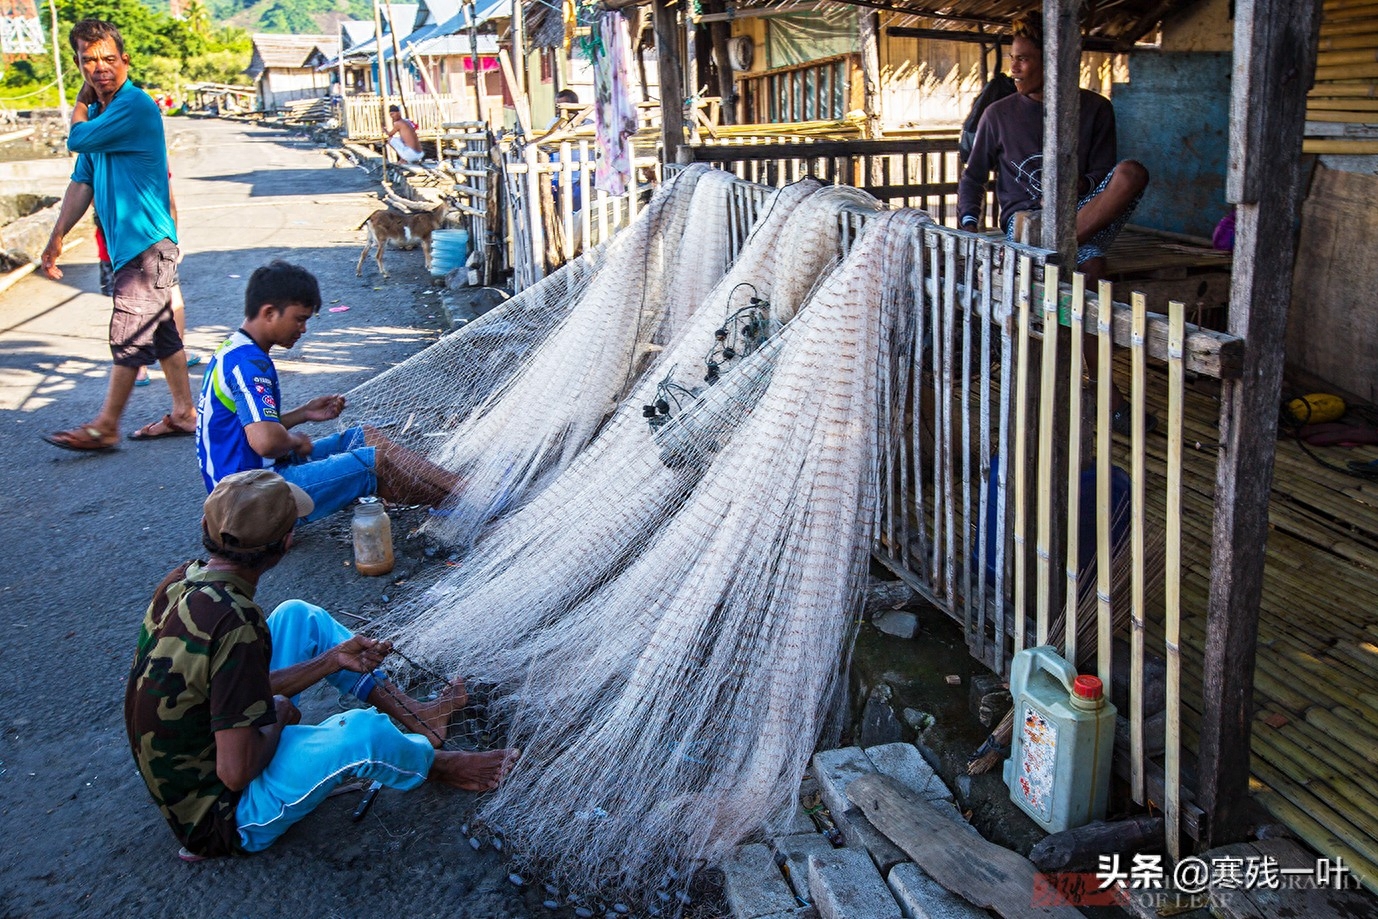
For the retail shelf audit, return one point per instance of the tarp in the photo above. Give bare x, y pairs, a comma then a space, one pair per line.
809, 36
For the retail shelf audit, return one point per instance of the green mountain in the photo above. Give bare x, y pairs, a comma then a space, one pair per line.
281, 15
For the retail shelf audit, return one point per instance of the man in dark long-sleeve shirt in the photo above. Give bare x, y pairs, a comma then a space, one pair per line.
1009, 141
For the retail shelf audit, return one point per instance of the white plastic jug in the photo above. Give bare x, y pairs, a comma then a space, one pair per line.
1064, 737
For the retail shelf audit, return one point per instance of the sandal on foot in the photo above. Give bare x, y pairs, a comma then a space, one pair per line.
163, 427
193, 358
189, 856
142, 379
82, 440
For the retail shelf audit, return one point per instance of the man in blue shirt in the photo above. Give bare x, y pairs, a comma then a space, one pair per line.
117, 132
241, 424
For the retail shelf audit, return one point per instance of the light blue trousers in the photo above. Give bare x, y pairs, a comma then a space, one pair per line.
312, 759
338, 472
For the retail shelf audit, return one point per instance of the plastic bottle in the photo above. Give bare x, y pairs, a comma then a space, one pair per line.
1064, 738
372, 538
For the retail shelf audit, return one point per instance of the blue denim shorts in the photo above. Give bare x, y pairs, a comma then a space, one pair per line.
338, 472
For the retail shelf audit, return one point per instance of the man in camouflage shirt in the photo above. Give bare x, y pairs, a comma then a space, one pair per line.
213, 732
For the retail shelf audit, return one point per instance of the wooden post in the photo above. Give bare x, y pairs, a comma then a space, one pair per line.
397, 64
382, 78
720, 32
1061, 120
868, 32
471, 11
671, 81
1274, 63
519, 45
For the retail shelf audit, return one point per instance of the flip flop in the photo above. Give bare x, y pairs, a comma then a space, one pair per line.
82, 440
189, 856
147, 432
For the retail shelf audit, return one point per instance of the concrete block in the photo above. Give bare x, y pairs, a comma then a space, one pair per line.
921, 897
754, 885
799, 912
834, 770
845, 885
795, 850
906, 765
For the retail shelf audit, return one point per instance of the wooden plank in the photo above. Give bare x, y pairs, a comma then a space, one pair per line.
986, 875
1266, 119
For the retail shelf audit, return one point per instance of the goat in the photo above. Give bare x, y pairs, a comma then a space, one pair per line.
385, 224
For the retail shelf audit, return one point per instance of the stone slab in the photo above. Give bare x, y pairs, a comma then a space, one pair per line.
843, 884
906, 765
898, 623
795, 850
858, 832
754, 885
834, 770
921, 897
791, 822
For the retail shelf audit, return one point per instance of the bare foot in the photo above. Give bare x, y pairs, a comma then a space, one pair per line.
472, 771
432, 720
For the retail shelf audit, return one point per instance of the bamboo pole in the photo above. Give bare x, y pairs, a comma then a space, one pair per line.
1346, 72
1343, 58
1137, 473
983, 560
1319, 104
1363, 89
1172, 754
1332, 116
1073, 569
1104, 528
1046, 408
1006, 320
948, 345
1021, 403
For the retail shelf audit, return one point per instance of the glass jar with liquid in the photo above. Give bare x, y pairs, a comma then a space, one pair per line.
372, 538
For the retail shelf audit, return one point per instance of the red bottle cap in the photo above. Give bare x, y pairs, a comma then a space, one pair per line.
1088, 687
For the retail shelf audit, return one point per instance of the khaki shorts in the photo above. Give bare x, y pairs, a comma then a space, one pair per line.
142, 330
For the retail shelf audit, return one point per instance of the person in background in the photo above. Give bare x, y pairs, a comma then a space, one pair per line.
1009, 142
117, 133
402, 138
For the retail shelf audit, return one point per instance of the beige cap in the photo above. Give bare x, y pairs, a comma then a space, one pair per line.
252, 510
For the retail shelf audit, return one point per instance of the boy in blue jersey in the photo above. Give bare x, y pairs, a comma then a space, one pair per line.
117, 132
242, 425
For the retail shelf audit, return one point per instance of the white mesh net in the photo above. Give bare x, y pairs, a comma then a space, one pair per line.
670, 502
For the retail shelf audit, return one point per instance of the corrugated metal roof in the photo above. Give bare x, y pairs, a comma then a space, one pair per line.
288, 51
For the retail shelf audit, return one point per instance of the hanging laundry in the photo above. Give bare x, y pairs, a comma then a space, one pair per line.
614, 112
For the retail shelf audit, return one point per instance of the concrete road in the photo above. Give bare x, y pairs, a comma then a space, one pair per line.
84, 539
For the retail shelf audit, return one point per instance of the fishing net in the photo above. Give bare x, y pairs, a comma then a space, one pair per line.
669, 505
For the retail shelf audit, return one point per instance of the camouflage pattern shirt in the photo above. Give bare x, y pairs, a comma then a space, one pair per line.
201, 666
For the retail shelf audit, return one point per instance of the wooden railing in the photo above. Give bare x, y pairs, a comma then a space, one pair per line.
913, 172
825, 89
364, 121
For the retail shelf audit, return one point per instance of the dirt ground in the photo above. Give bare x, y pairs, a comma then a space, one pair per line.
86, 538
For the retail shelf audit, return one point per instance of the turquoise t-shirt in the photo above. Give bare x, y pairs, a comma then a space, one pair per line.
123, 157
